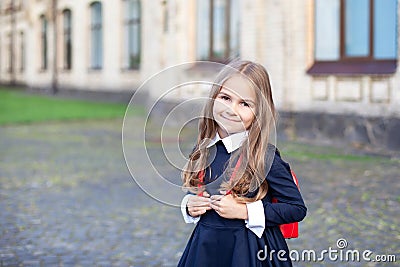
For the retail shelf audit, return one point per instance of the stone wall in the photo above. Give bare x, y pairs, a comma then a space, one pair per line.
378, 133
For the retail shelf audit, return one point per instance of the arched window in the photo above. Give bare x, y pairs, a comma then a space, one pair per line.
132, 34
43, 42
67, 39
218, 29
96, 36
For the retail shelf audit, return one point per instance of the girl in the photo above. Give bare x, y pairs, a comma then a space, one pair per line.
234, 172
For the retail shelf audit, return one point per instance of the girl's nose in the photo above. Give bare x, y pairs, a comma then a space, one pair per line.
232, 110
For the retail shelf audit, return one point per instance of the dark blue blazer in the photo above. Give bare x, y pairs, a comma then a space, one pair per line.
217, 241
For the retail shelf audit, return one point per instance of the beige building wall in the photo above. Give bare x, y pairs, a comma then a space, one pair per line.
277, 33
372, 95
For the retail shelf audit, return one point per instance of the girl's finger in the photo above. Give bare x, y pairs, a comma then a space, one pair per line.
198, 200
216, 197
204, 201
205, 194
198, 204
199, 212
214, 206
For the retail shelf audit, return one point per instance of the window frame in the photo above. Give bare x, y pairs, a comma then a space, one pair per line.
22, 51
349, 65
96, 27
10, 52
67, 39
130, 22
211, 33
43, 43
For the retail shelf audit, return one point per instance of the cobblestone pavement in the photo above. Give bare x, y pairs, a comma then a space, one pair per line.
67, 199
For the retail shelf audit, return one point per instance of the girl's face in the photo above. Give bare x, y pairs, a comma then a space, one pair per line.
234, 106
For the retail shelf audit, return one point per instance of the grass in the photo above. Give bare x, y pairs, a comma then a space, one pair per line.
18, 107
309, 152
332, 156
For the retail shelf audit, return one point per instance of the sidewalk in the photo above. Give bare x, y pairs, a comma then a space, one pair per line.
67, 199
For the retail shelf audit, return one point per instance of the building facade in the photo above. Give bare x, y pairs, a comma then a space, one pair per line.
329, 56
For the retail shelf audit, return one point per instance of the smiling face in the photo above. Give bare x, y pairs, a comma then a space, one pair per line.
234, 106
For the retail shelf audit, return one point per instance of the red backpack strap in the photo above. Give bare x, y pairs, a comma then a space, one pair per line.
201, 181
235, 171
295, 178
201, 176
290, 230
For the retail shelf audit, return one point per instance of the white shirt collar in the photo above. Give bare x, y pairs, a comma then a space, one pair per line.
231, 142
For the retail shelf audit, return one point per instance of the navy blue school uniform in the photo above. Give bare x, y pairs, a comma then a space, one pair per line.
217, 241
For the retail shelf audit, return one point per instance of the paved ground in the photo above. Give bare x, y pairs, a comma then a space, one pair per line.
67, 199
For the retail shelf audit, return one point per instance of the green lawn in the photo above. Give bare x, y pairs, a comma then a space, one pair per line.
17, 106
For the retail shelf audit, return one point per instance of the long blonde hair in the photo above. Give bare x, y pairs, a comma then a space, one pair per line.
251, 171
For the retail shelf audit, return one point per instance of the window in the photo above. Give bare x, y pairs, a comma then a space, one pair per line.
96, 36
355, 36
217, 29
43, 42
22, 52
7, 6
16, 5
165, 16
132, 34
67, 39
10, 53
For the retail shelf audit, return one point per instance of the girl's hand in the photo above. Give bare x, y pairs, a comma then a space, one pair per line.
198, 205
228, 207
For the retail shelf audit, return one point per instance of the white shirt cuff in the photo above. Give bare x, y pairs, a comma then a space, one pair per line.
186, 217
256, 217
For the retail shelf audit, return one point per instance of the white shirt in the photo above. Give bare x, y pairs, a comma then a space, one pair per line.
255, 210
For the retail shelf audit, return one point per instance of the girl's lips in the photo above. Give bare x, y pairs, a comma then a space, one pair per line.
230, 119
